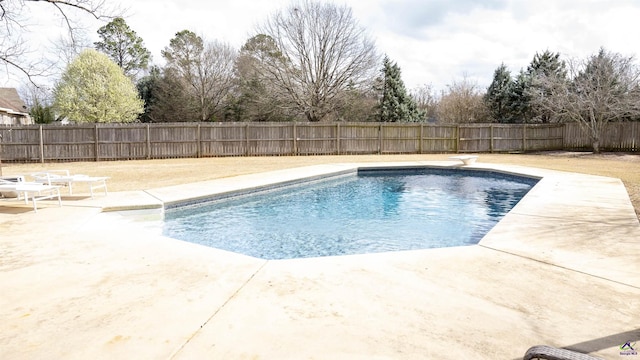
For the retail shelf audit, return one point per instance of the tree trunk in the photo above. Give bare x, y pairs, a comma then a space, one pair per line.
596, 146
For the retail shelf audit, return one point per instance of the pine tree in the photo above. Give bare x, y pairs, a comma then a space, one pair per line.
520, 99
498, 95
396, 105
546, 65
123, 46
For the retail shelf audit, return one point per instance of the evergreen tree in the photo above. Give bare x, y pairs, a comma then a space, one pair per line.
123, 46
147, 90
396, 104
544, 66
42, 114
520, 99
547, 64
498, 95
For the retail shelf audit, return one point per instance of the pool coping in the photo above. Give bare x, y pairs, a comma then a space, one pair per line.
184, 195
498, 238
561, 268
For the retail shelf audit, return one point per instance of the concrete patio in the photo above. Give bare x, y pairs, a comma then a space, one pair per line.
89, 280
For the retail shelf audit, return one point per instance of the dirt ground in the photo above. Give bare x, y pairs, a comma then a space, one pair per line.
148, 174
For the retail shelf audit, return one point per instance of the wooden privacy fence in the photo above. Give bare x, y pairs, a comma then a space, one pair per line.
95, 142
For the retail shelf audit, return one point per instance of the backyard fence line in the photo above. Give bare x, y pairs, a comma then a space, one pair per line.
97, 142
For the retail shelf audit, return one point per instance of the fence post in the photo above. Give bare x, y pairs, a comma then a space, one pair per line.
148, 141
246, 139
457, 138
524, 137
491, 136
380, 139
295, 138
96, 145
337, 138
41, 144
198, 150
421, 138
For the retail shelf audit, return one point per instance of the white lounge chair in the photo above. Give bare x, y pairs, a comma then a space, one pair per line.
10, 194
64, 178
31, 191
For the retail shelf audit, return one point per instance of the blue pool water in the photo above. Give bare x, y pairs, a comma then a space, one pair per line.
373, 211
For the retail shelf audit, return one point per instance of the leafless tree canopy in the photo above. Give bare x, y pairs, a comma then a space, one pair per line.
426, 100
256, 98
323, 52
462, 102
213, 78
202, 72
602, 88
14, 26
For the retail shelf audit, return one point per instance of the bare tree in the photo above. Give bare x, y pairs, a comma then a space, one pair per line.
256, 98
603, 88
215, 78
202, 73
426, 100
323, 54
15, 54
462, 102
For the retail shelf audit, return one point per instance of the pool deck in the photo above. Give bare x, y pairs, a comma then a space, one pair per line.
86, 281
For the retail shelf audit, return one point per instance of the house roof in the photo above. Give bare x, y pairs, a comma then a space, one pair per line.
10, 100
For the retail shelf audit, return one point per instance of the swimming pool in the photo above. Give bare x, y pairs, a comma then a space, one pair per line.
374, 210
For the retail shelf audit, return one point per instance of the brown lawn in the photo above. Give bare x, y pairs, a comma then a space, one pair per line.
147, 174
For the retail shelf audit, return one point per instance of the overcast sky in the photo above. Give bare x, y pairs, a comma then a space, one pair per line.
433, 41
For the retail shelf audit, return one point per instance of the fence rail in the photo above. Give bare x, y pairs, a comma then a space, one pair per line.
96, 142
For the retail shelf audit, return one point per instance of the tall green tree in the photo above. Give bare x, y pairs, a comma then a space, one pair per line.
396, 105
147, 90
123, 46
183, 52
95, 89
498, 95
520, 98
546, 65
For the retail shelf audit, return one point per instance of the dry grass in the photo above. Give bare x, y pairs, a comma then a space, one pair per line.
147, 174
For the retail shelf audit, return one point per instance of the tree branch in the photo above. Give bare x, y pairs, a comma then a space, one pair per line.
13, 18
19, 68
83, 5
